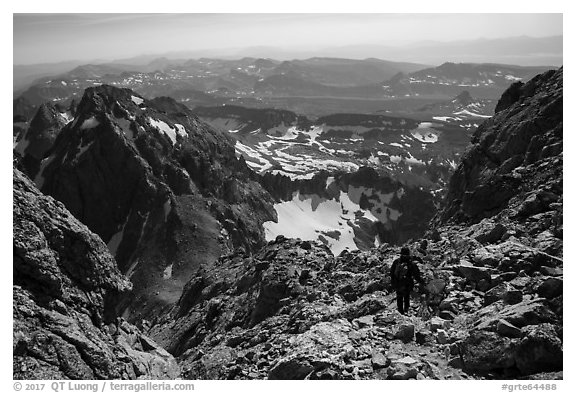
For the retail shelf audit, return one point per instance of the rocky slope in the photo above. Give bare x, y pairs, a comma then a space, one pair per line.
295, 311
162, 189
63, 281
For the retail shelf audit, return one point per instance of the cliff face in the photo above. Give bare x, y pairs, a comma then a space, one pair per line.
64, 278
512, 154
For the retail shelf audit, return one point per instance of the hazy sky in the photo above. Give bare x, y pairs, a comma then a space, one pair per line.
42, 38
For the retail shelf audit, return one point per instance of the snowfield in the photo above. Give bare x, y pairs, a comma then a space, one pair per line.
310, 217
425, 133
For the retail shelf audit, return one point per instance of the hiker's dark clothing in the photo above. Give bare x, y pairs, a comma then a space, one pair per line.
403, 301
404, 285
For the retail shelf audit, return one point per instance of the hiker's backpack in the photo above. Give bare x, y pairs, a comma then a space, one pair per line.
401, 272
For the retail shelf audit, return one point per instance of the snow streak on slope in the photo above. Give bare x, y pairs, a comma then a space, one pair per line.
165, 128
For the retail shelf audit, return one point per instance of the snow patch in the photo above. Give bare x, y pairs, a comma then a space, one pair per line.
306, 217
311, 217
89, 123
137, 100
181, 130
466, 112
67, 116
443, 118
425, 133
116, 239
167, 273
165, 128
167, 209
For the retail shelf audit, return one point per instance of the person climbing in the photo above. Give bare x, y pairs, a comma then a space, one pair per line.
403, 273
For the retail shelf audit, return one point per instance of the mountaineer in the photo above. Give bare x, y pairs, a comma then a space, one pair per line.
403, 273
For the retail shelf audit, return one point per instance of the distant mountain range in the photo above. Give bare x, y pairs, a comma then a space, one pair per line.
526, 51
257, 82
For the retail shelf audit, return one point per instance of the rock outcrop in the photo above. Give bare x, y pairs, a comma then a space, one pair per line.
294, 311
64, 278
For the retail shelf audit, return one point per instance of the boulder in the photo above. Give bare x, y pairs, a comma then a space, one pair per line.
551, 288
424, 337
527, 312
402, 372
442, 336
486, 231
473, 273
438, 323
291, 368
484, 351
551, 271
506, 329
456, 362
405, 332
503, 291
379, 360
539, 350
486, 257
403, 368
